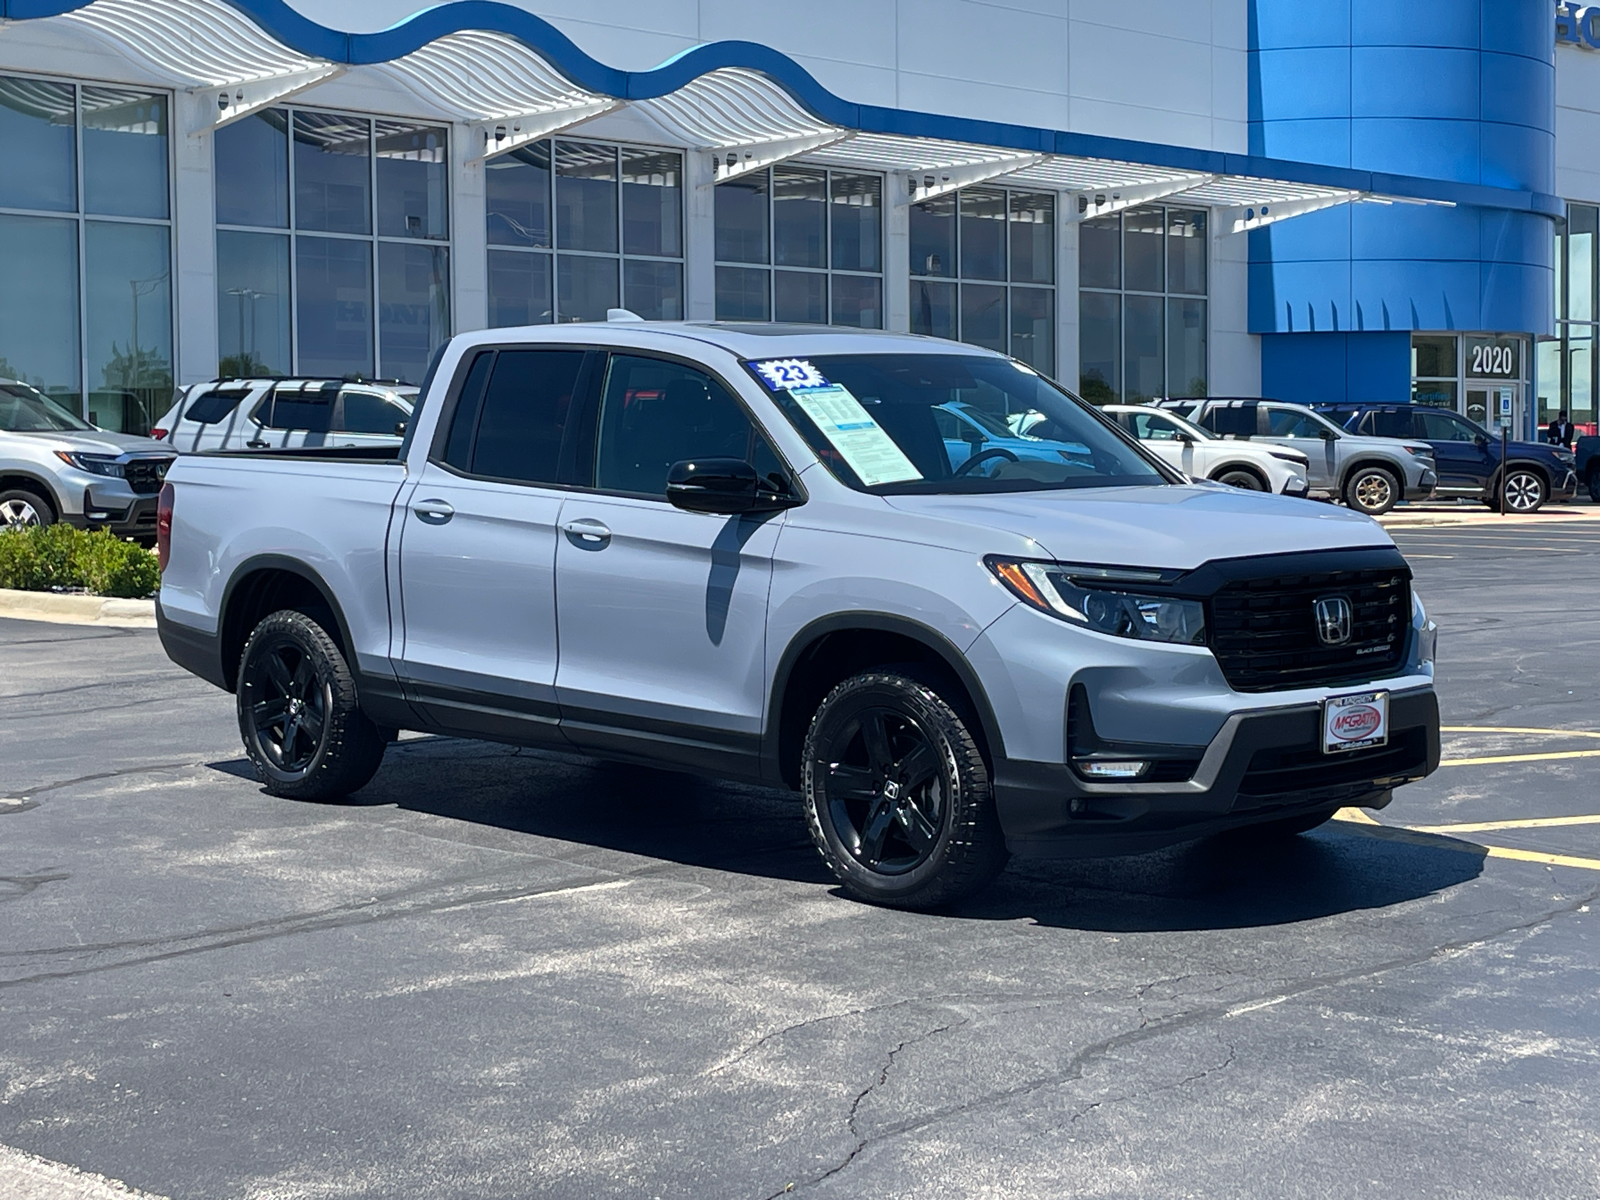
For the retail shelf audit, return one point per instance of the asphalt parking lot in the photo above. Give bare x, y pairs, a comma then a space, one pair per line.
502, 974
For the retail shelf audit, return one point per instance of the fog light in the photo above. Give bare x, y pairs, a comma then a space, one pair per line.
1109, 769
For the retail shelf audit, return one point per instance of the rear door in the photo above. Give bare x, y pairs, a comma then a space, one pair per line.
662, 613
478, 548
289, 416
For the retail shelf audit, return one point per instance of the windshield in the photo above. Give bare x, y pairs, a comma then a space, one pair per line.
25, 410
889, 424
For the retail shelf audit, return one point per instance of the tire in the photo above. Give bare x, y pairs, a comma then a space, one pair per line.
934, 838
302, 728
21, 508
1524, 488
1241, 477
1372, 490
1594, 486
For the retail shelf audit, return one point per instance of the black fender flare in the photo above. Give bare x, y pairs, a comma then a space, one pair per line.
258, 564
808, 635
1362, 464
40, 483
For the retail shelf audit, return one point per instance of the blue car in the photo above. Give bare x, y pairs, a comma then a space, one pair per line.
969, 431
1468, 455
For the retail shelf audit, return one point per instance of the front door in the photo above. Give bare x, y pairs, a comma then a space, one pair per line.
1303, 432
1464, 456
478, 551
662, 613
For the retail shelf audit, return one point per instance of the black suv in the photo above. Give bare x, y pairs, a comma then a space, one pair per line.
1468, 456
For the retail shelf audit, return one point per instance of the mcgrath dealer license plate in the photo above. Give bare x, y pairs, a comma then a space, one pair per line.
1355, 722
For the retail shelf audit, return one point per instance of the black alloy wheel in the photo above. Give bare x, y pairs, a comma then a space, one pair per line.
1241, 477
897, 794
302, 727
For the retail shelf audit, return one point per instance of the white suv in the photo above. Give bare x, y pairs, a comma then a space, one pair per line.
1200, 456
261, 414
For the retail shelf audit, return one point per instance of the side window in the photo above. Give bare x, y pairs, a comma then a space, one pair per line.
369, 412
1389, 423
1231, 421
523, 414
1286, 423
1442, 427
464, 423
949, 424
656, 413
210, 407
310, 410
1153, 428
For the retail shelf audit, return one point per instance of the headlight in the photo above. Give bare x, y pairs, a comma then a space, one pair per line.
1566, 456
1289, 456
1421, 452
95, 464
1103, 606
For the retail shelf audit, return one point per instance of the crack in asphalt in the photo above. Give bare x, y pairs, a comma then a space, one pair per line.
120, 682
29, 796
1079, 1063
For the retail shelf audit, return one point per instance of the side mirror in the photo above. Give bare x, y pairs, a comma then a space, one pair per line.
1329, 435
973, 437
721, 485
1480, 440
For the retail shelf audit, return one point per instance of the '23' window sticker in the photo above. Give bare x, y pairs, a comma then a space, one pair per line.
789, 374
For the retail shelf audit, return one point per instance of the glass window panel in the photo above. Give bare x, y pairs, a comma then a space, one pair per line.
1583, 222
800, 296
413, 180
306, 408
933, 237
1558, 238
1433, 356
519, 289
1141, 251
1033, 237
654, 290
39, 323
586, 287
124, 152
413, 307
983, 237
1551, 402
332, 179
586, 198
1033, 328
655, 413
525, 414
652, 202
1100, 347
1186, 251
1144, 348
127, 272
1186, 347
857, 216
252, 303
1437, 393
333, 317
1579, 352
1100, 252
983, 315
741, 220
799, 218
362, 411
252, 170
742, 293
36, 129
517, 199
464, 421
857, 301
933, 308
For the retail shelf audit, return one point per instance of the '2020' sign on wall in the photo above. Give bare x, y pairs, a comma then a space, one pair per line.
1578, 25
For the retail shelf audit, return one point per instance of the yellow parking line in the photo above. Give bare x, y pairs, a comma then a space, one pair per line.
1425, 836
1526, 823
1515, 758
1550, 860
1516, 729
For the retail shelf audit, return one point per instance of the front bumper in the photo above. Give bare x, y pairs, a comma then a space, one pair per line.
1263, 765
124, 515
1424, 486
1565, 489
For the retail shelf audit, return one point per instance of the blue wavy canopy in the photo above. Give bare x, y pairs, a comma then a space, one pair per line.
357, 49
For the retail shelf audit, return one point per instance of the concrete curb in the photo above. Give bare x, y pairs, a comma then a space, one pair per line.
77, 610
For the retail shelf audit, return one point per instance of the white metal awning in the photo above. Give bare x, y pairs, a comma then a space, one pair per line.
744, 119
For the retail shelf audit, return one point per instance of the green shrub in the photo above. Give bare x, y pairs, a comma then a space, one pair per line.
58, 556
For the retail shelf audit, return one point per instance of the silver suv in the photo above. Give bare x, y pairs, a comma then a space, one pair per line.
55, 466
1370, 474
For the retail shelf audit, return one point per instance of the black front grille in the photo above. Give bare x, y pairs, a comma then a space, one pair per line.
144, 475
1264, 631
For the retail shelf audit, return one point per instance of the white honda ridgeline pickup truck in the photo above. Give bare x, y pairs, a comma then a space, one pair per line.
743, 550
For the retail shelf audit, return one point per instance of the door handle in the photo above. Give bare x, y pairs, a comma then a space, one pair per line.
587, 534
433, 512
256, 444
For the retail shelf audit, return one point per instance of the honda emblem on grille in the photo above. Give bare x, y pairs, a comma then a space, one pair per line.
1333, 620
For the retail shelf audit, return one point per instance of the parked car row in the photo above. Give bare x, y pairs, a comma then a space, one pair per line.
263, 414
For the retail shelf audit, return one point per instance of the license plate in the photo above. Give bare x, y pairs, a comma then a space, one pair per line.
1355, 722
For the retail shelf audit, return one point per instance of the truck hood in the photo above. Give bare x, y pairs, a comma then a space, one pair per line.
95, 441
1177, 527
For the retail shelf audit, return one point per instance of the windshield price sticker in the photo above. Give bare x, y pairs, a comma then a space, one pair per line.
860, 441
1355, 722
789, 373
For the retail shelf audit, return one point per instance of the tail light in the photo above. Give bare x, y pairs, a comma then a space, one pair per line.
160, 435
164, 526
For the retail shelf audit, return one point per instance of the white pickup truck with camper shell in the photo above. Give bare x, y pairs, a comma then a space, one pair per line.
748, 551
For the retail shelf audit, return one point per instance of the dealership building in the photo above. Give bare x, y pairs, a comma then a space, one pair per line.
1347, 199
